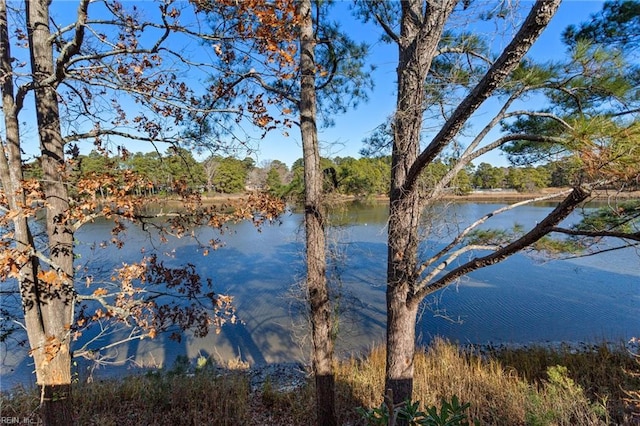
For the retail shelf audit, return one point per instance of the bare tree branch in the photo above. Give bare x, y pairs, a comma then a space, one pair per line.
622, 113
73, 47
450, 258
460, 50
88, 218
514, 137
467, 156
540, 114
284, 94
458, 239
90, 353
600, 251
544, 227
387, 29
107, 132
616, 234
334, 64
537, 20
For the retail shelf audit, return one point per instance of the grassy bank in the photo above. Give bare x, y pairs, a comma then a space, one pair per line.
534, 386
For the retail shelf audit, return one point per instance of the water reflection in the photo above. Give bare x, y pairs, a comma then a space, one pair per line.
523, 299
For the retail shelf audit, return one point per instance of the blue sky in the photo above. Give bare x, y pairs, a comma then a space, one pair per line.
345, 137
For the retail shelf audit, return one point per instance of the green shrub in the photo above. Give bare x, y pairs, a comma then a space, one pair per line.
450, 414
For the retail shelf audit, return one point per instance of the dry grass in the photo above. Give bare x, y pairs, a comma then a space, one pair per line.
534, 386
632, 395
605, 374
151, 399
271, 407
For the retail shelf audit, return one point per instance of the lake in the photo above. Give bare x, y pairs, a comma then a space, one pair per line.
525, 299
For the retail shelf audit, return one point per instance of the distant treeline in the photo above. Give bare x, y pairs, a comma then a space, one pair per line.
361, 177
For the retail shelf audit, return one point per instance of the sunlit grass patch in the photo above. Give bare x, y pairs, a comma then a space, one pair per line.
532, 386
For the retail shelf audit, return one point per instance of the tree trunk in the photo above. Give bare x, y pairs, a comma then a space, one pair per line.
417, 46
321, 321
421, 28
11, 177
401, 325
54, 300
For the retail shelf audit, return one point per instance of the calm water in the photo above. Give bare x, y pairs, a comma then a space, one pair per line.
521, 300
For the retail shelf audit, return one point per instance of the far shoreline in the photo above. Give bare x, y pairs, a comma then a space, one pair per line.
503, 195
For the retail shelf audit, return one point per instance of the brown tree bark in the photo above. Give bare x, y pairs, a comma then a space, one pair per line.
421, 27
54, 301
417, 45
11, 159
11, 177
320, 307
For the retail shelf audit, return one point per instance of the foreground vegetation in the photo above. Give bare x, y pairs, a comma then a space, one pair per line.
533, 386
